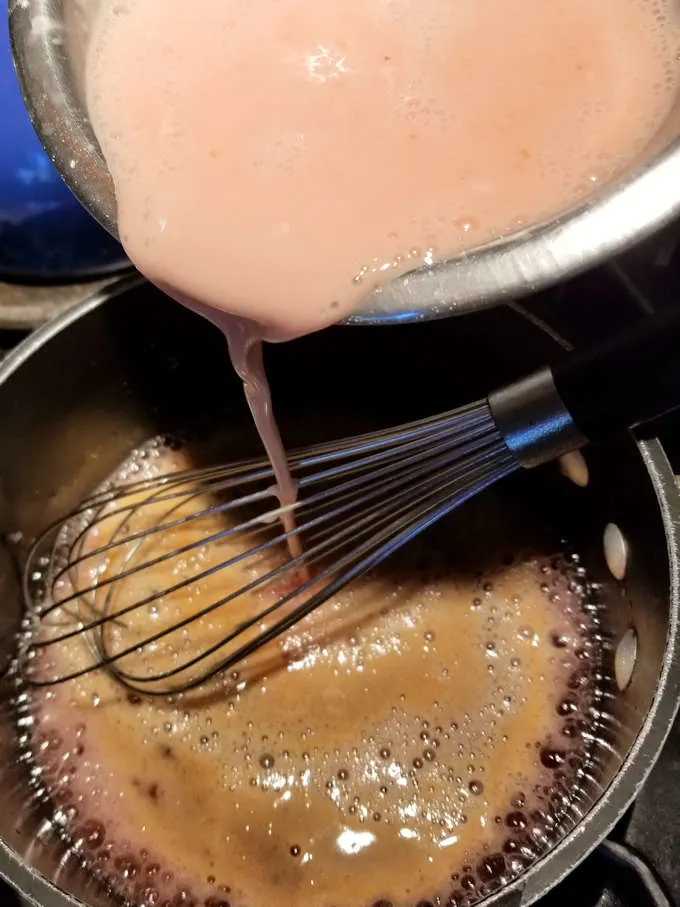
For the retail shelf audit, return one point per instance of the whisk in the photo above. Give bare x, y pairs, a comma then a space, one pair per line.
179, 579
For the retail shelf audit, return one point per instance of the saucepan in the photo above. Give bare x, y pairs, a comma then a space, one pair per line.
50, 41
83, 391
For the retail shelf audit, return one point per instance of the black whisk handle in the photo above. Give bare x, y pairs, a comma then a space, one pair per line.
629, 379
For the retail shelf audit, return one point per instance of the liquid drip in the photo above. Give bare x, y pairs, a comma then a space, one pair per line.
245, 349
244, 340
425, 740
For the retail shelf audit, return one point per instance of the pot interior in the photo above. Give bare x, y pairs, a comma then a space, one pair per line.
139, 365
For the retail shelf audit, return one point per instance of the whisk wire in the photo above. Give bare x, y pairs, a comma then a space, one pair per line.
354, 486
359, 500
344, 573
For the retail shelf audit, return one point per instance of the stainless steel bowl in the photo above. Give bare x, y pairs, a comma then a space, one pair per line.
50, 37
109, 374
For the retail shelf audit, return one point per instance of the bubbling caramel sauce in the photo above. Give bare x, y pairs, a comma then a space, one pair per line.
419, 737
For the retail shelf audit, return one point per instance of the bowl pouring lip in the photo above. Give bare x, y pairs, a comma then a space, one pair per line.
604, 814
626, 212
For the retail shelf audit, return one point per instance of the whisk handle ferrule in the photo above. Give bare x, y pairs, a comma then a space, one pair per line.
533, 419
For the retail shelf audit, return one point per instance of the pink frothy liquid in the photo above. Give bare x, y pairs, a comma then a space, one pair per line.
278, 160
